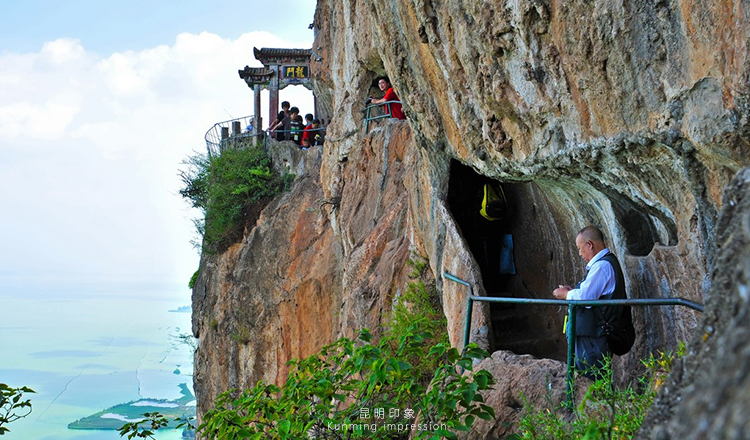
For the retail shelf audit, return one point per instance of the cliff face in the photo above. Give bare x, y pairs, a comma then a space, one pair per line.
708, 392
632, 116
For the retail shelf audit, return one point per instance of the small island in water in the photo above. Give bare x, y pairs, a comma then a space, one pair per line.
113, 418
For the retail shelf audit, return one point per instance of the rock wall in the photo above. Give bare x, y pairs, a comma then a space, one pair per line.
707, 394
314, 267
629, 115
619, 114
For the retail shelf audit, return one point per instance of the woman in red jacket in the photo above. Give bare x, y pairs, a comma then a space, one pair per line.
393, 109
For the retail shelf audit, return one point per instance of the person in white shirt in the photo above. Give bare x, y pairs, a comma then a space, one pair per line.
601, 280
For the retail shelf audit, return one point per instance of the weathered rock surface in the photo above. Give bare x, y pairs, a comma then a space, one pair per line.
622, 115
541, 381
314, 268
632, 116
708, 393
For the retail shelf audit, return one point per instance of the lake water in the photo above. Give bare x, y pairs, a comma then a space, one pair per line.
83, 353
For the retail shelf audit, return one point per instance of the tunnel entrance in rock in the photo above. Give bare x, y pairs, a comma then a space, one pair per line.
523, 329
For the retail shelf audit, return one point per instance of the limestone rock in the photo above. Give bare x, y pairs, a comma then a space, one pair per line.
541, 381
708, 392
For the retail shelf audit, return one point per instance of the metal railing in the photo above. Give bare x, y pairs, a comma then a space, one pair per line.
369, 118
270, 134
572, 305
219, 137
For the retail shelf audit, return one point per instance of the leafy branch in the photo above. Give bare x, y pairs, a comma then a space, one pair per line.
357, 389
13, 406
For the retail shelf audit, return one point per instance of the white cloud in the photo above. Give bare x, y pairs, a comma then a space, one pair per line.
90, 147
62, 50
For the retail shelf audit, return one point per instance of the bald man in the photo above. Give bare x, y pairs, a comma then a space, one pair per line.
603, 280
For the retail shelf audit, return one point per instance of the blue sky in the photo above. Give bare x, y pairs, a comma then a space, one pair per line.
107, 26
100, 101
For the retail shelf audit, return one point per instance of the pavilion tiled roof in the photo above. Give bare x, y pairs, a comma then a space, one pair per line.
248, 72
267, 52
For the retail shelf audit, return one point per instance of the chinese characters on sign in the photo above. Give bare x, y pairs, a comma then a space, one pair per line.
294, 71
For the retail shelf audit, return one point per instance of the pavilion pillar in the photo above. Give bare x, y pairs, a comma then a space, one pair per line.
258, 122
273, 99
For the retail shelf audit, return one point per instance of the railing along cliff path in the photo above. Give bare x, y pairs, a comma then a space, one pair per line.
572, 305
385, 114
219, 137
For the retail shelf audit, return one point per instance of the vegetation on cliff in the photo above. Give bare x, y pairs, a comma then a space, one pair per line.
606, 412
358, 389
408, 383
224, 187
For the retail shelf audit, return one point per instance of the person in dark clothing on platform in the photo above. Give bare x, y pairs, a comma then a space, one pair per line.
603, 279
296, 126
286, 124
277, 124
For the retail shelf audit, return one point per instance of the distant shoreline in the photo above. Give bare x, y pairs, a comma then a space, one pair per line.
114, 417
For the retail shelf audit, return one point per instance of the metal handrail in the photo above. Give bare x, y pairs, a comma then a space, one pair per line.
572, 305
217, 135
268, 132
371, 106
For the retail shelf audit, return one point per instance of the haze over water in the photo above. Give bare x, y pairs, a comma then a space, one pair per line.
100, 102
87, 352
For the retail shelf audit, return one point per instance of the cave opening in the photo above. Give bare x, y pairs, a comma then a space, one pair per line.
530, 222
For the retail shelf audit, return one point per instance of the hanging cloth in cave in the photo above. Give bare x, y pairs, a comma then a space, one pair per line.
507, 265
494, 204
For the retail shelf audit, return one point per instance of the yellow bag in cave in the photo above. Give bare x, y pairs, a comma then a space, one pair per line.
494, 203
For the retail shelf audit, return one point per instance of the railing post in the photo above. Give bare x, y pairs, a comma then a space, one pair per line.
367, 119
467, 324
570, 386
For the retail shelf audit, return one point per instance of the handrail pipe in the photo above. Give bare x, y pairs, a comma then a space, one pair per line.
572, 305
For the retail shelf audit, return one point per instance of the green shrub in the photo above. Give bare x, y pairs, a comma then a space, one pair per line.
606, 412
193, 279
224, 187
418, 306
356, 389
351, 389
242, 335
